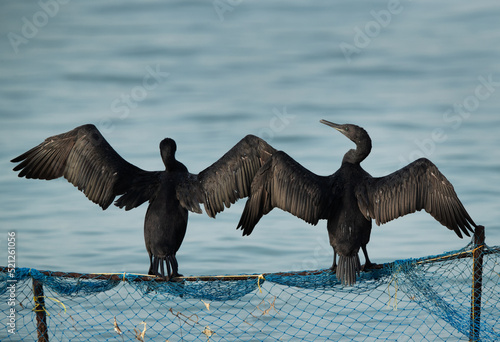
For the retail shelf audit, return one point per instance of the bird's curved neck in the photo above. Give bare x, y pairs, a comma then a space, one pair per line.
170, 163
357, 155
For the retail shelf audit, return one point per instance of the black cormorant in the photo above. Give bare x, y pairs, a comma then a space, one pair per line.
86, 159
350, 198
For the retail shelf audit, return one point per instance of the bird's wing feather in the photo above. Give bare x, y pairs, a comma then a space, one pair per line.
85, 159
283, 183
141, 188
228, 179
189, 193
419, 185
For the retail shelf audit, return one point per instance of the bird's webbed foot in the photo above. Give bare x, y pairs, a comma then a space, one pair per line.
368, 264
371, 266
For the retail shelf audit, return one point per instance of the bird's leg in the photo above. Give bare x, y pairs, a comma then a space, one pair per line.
334, 266
156, 267
152, 270
169, 269
175, 266
368, 264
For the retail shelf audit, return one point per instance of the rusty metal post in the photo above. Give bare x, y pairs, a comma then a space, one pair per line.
477, 282
41, 314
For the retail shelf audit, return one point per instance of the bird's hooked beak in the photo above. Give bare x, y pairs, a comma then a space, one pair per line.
333, 125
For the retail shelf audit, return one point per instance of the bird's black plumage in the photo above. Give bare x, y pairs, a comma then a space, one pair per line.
350, 198
86, 159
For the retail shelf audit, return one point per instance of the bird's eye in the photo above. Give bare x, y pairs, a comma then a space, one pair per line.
346, 129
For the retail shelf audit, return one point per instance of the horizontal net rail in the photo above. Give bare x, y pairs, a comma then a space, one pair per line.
426, 299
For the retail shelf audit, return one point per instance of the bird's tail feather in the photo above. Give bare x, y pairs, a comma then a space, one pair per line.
348, 268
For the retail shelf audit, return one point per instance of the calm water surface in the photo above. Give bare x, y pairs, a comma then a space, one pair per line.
424, 80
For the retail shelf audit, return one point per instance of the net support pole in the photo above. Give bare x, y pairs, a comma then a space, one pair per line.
41, 314
477, 282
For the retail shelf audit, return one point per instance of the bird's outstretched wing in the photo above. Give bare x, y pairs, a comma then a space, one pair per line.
227, 180
419, 185
283, 183
86, 160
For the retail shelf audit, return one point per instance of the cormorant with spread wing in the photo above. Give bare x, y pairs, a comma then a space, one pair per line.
350, 198
88, 161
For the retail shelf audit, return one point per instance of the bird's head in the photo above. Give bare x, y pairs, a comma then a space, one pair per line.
167, 150
357, 135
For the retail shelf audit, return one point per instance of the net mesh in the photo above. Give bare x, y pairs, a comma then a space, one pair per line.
426, 299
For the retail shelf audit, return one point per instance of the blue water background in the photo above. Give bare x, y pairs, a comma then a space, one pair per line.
423, 78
